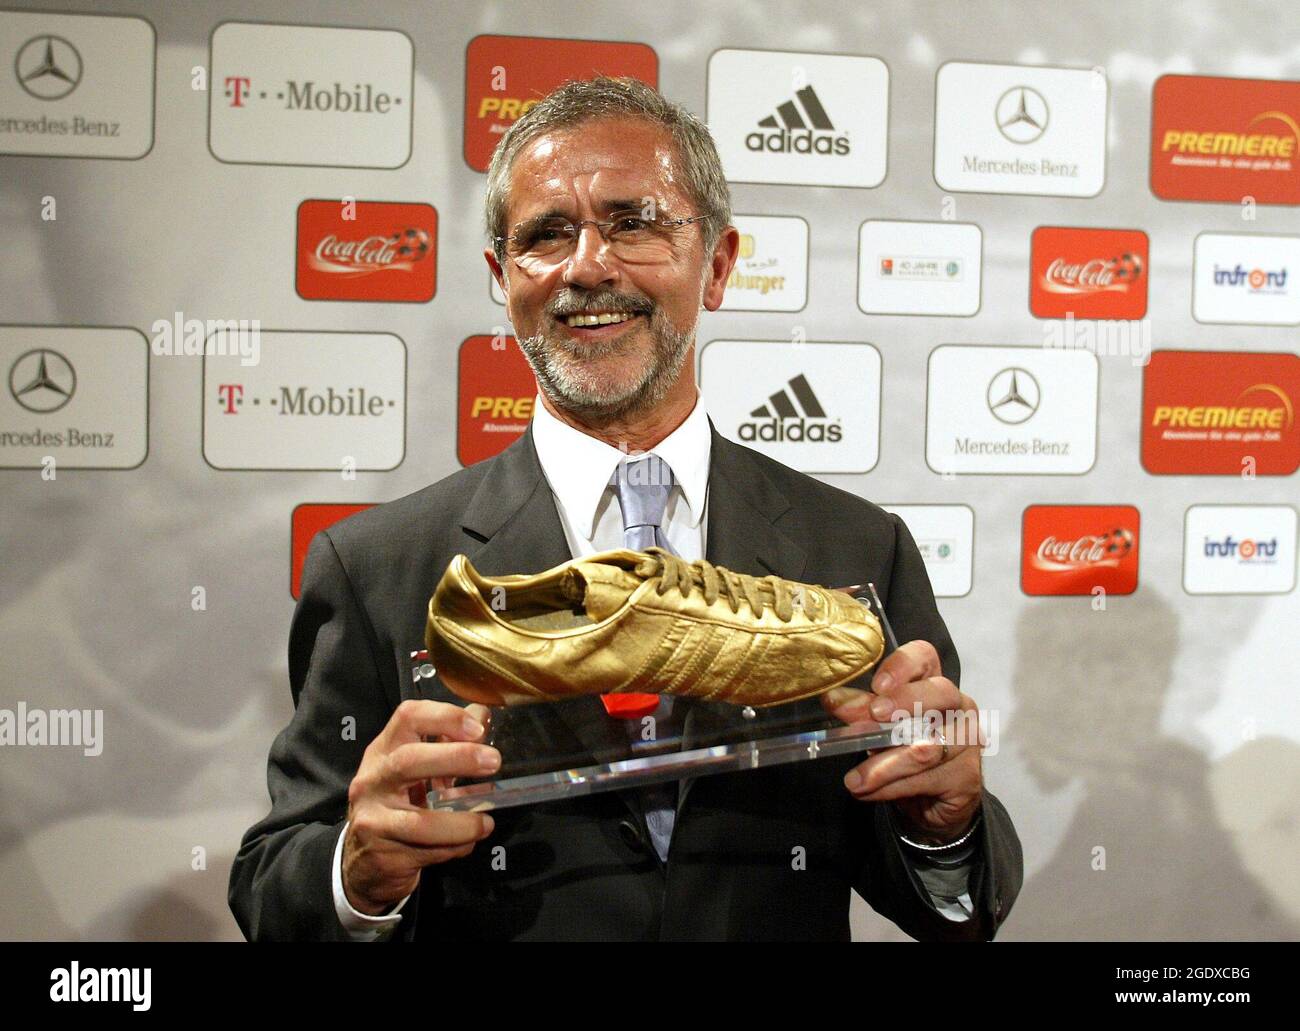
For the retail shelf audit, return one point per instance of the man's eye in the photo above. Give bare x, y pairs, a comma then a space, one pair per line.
532, 236
630, 224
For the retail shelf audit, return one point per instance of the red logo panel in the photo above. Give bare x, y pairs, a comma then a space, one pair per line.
1088, 273
1222, 139
497, 391
1074, 549
1220, 413
366, 251
308, 520
506, 75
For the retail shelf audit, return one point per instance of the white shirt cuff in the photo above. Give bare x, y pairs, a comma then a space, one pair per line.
360, 926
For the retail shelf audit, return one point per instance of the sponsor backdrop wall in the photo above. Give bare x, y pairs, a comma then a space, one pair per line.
1027, 276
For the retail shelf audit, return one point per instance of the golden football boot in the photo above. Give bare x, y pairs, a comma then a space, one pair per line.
646, 622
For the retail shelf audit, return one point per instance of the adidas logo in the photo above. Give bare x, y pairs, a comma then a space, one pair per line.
782, 421
800, 128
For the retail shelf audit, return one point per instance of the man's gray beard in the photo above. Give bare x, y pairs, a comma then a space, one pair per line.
577, 394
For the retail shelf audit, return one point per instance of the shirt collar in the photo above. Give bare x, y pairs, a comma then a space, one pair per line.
578, 467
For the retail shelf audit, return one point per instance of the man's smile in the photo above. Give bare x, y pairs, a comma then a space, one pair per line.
598, 325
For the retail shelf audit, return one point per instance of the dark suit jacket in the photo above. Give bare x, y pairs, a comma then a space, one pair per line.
584, 868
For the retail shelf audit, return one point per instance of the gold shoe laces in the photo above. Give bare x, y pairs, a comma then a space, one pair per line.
714, 581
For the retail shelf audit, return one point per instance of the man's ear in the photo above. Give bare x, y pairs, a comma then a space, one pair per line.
498, 273
725, 253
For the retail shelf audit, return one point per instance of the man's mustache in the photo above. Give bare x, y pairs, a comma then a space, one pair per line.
572, 304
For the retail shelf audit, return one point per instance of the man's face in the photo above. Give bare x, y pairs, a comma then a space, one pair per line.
587, 172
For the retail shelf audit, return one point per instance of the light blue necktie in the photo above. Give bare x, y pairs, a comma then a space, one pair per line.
642, 487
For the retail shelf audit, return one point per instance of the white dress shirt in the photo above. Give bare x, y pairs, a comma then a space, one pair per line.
578, 469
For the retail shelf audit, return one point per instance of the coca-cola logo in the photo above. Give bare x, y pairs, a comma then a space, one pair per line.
1060, 554
398, 252
1097, 275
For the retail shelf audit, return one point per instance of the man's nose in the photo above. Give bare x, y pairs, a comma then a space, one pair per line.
589, 265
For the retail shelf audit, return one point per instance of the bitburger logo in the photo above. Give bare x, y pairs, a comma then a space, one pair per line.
781, 420
799, 128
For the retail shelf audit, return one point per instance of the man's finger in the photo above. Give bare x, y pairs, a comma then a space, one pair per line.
933, 694
483, 714
894, 764
426, 828
911, 661
848, 704
415, 720
418, 761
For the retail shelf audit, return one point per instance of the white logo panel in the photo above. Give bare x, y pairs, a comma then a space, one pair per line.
1012, 410
945, 536
76, 394
76, 85
800, 119
919, 268
771, 272
1239, 549
315, 401
812, 406
302, 95
1005, 128
1246, 278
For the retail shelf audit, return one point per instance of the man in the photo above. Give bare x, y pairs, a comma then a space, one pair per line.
610, 219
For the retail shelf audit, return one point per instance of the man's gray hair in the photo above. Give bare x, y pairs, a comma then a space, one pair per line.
580, 101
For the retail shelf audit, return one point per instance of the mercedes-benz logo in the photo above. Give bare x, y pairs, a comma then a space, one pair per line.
42, 380
1013, 395
48, 67
1021, 114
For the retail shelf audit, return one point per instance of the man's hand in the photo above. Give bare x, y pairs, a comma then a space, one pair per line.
391, 835
936, 798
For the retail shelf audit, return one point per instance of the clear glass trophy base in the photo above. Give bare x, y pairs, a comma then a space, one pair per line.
652, 769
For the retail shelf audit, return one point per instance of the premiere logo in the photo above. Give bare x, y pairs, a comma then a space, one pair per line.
497, 391
366, 251
1088, 273
507, 75
1221, 139
1223, 413
1078, 549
